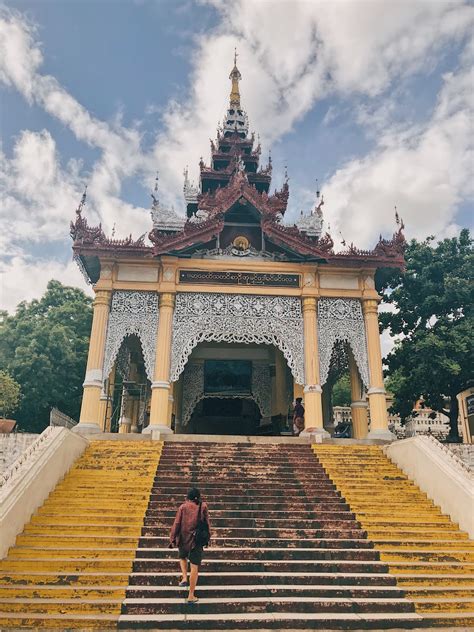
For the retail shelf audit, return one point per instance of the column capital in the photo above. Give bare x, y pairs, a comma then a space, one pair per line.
370, 306
167, 300
102, 297
309, 304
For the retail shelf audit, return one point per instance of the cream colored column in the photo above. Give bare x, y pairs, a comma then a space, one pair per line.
376, 393
358, 402
313, 416
89, 418
160, 388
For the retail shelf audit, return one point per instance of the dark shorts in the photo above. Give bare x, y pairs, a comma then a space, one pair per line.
194, 556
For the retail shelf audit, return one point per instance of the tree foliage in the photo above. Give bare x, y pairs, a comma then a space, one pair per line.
341, 392
10, 394
433, 323
44, 347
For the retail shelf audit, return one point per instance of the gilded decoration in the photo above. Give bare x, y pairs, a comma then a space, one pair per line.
341, 319
132, 313
233, 318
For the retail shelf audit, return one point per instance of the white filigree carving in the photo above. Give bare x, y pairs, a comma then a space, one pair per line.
274, 320
132, 313
193, 389
262, 387
342, 319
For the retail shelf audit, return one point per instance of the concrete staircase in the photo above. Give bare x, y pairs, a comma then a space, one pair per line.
70, 566
431, 558
287, 552
329, 537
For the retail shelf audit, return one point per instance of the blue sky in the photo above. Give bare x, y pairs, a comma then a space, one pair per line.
372, 98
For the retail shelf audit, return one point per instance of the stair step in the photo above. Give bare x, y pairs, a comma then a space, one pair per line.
279, 621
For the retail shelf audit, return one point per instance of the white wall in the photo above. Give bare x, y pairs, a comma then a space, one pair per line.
43, 466
437, 473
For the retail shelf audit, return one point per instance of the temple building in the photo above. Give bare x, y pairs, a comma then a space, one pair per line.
228, 312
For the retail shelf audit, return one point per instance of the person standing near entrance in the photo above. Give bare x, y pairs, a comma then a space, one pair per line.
190, 532
298, 417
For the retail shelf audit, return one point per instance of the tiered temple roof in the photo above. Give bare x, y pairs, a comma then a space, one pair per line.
231, 201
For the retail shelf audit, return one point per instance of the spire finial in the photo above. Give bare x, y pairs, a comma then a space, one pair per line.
154, 193
82, 202
235, 77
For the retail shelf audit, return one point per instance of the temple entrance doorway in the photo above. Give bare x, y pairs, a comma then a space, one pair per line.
234, 388
225, 416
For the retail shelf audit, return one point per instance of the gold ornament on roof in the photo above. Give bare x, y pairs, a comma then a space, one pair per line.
241, 243
235, 77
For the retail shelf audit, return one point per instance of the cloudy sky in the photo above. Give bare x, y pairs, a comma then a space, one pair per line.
372, 98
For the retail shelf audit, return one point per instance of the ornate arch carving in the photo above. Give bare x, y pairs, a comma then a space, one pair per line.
136, 313
214, 317
342, 319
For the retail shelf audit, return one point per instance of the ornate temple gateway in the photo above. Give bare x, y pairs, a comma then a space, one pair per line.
229, 312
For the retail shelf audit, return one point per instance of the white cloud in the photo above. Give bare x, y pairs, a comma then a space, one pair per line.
425, 170
23, 279
291, 55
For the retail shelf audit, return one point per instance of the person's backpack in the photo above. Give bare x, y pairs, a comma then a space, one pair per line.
201, 533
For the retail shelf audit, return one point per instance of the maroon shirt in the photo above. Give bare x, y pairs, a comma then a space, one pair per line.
185, 523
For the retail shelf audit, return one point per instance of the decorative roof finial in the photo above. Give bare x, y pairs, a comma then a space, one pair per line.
317, 189
82, 202
154, 193
398, 220
235, 77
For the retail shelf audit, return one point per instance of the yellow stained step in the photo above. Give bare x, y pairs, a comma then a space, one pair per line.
66, 606
86, 553
59, 580
427, 556
422, 547
67, 592
59, 621
70, 566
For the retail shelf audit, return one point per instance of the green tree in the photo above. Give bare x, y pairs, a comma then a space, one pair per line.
433, 323
44, 347
10, 394
341, 392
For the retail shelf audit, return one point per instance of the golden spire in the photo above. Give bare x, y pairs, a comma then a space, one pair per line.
235, 77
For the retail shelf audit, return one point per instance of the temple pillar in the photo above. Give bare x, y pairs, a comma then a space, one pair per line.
376, 393
313, 418
90, 408
358, 402
160, 387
